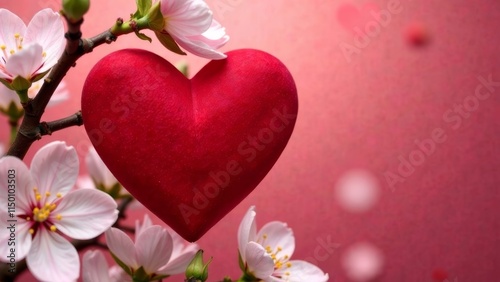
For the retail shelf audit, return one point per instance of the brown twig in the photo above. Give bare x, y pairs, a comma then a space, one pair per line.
47, 128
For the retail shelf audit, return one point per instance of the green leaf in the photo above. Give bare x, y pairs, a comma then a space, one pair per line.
140, 275
20, 84
39, 76
169, 43
114, 191
143, 36
143, 7
241, 263
6, 83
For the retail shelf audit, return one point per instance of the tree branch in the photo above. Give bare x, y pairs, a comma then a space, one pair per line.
34, 109
47, 128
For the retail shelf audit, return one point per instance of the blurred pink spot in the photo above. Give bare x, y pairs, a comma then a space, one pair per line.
417, 34
357, 190
363, 262
348, 16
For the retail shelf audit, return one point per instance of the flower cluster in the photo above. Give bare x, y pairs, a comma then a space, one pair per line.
47, 210
265, 255
28, 53
156, 253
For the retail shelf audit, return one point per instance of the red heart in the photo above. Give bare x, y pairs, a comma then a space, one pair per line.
189, 150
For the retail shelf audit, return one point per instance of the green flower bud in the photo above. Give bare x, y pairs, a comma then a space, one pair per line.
75, 9
196, 270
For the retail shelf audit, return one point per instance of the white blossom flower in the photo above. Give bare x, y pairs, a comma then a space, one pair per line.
157, 251
266, 254
46, 211
191, 25
31, 51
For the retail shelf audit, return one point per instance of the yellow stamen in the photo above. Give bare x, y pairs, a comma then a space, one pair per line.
47, 194
58, 217
53, 228
17, 35
3, 47
59, 195
288, 264
12, 52
31, 231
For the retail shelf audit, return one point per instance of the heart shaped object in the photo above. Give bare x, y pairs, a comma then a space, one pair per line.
189, 150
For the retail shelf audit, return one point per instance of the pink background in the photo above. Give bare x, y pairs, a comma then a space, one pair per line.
359, 114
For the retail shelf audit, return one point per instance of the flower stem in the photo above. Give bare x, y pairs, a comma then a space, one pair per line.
23, 95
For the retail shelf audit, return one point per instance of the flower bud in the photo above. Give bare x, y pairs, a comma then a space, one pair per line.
196, 270
75, 9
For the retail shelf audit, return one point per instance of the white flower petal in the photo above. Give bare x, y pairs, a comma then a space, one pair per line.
277, 235
215, 36
258, 261
22, 239
301, 271
10, 24
121, 246
116, 274
55, 169
53, 258
94, 267
86, 213
154, 247
47, 29
98, 170
179, 263
198, 48
247, 231
24, 184
84, 182
145, 224
25, 62
186, 17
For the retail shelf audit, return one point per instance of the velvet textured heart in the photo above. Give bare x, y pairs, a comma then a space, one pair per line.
189, 150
